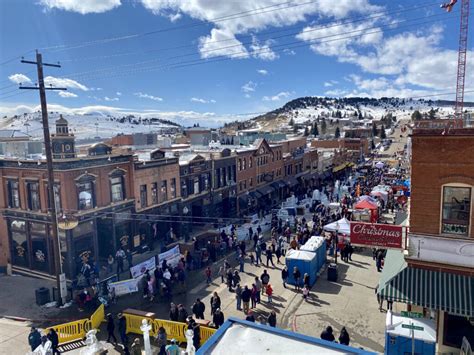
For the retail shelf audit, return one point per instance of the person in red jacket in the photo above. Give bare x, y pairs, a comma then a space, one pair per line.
269, 293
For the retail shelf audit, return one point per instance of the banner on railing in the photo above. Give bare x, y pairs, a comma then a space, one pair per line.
139, 269
171, 256
376, 235
125, 287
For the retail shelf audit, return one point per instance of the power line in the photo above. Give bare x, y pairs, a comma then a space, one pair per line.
326, 24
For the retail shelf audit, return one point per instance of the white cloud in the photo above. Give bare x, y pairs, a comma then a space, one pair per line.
147, 96
202, 101
330, 83
262, 50
221, 43
66, 94
118, 93
247, 96
64, 82
262, 71
82, 6
336, 93
289, 51
175, 17
19, 78
277, 97
249, 87
106, 98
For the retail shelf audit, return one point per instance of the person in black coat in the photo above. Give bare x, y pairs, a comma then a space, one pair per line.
54, 339
198, 309
327, 334
284, 276
182, 314
173, 312
272, 319
110, 328
34, 338
218, 318
122, 328
344, 338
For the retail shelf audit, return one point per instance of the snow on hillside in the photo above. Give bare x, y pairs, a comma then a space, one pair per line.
84, 126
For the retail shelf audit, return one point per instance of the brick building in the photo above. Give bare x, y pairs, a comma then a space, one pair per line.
95, 188
440, 261
360, 145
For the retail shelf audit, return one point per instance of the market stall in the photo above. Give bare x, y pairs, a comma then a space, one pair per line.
368, 205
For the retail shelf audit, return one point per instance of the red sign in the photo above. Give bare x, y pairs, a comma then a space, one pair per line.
376, 235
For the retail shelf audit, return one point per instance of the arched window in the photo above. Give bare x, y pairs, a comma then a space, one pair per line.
86, 191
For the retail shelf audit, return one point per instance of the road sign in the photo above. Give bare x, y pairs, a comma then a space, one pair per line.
411, 326
411, 314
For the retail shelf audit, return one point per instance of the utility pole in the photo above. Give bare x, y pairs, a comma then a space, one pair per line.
60, 278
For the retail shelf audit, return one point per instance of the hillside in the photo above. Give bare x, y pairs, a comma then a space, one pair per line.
309, 109
88, 125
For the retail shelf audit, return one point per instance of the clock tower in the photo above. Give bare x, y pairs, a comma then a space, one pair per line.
63, 142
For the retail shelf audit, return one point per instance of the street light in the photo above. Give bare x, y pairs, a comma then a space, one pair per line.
335, 242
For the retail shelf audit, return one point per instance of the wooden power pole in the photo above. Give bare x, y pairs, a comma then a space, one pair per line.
60, 278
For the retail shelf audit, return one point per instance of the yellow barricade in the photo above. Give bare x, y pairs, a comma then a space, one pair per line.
206, 333
98, 317
72, 331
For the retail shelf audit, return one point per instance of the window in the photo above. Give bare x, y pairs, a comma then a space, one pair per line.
245, 164
240, 164
456, 210
250, 162
196, 185
164, 191
154, 193
250, 182
86, 195
143, 196
206, 181
57, 196
223, 178
184, 189
218, 178
455, 328
32, 190
19, 243
173, 188
116, 188
13, 194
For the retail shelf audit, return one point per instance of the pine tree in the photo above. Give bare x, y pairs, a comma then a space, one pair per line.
323, 126
432, 114
315, 129
295, 129
416, 115
382, 133
292, 122
337, 134
374, 130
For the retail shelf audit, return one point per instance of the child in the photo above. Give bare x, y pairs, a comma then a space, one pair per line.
269, 293
305, 292
208, 275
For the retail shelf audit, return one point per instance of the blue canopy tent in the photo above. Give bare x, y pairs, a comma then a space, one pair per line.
307, 263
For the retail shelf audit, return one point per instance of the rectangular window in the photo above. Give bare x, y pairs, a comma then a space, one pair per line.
86, 195
218, 178
184, 189
456, 210
154, 193
143, 196
173, 188
455, 328
250, 182
13, 194
116, 187
57, 196
196, 185
164, 191
32, 189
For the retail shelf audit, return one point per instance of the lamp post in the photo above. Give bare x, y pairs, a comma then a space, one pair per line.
335, 243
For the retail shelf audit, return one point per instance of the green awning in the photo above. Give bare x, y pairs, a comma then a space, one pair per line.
452, 293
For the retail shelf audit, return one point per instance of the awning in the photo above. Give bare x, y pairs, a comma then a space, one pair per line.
431, 289
265, 190
291, 181
339, 168
278, 184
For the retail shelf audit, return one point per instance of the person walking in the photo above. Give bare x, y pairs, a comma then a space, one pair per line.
34, 338
136, 347
258, 285
278, 254
344, 338
198, 309
284, 275
272, 319
306, 281
296, 277
110, 263
111, 328
241, 262
215, 303
218, 318
265, 280
54, 339
122, 328
208, 273
258, 254
162, 340
173, 348
269, 293
269, 253
327, 334
221, 273
238, 297
119, 256
253, 297
246, 294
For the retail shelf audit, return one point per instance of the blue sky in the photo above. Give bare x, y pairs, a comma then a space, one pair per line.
269, 52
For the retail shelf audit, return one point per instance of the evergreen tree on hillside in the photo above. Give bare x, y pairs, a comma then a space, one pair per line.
416, 115
291, 122
295, 129
337, 133
374, 130
432, 114
323, 126
315, 129
382, 133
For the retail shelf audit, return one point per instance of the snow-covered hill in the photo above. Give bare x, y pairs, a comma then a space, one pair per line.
87, 126
309, 109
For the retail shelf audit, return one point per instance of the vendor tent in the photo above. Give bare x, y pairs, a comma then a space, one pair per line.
342, 226
368, 205
306, 262
379, 165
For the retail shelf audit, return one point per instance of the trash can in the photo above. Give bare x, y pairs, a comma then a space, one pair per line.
42, 296
332, 272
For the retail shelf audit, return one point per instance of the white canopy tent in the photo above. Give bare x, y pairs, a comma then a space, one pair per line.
342, 226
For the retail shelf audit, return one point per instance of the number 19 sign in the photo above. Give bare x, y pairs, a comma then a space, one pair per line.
376, 235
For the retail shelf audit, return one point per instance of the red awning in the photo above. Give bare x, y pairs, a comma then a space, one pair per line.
365, 204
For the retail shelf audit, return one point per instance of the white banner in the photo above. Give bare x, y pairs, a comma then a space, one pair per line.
124, 287
171, 256
139, 269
